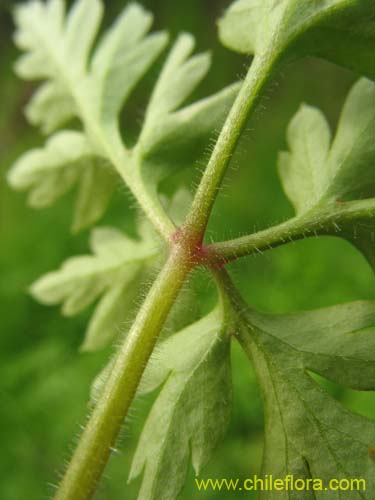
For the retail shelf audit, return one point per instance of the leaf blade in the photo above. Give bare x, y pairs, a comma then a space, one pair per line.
308, 434
200, 359
334, 29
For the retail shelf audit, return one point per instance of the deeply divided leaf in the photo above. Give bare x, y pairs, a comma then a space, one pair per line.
114, 277
92, 82
115, 271
58, 48
66, 159
174, 137
308, 434
320, 174
192, 410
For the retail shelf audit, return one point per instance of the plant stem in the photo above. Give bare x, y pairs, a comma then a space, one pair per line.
291, 230
260, 72
320, 221
240, 309
151, 206
98, 438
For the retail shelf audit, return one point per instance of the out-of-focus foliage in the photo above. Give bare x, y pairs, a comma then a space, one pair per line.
114, 271
45, 382
91, 82
56, 48
51, 171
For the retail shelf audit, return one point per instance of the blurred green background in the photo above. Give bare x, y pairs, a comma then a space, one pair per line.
44, 380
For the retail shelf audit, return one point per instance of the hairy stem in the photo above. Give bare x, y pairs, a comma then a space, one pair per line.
240, 310
98, 438
152, 208
319, 221
260, 72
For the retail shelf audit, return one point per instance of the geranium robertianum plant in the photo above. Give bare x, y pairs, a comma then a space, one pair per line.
329, 178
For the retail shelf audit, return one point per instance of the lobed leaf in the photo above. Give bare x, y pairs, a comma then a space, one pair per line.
66, 159
59, 48
319, 175
303, 169
122, 58
341, 31
115, 270
174, 138
337, 342
93, 82
192, 410
179, 77
352, 156
308, 434
50, 107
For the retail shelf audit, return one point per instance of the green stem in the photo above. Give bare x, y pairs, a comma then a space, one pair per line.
327, 220
291, 230
229, 290
260, 72
98, 438
240, 310
149, 202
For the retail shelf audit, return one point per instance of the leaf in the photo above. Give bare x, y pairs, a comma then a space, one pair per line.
51, 171
58, 49
176, 138
96, 189
115, 270
308, 434
179, 77
192, 410
50, 107
313, 170
57, 46
337, 342
303, 170
341, 31
122, 59
93, 84
352, 156
361, 231
319, 176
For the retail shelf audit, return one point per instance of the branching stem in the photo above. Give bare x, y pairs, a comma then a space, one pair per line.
319, 221
259, 74
94, 448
